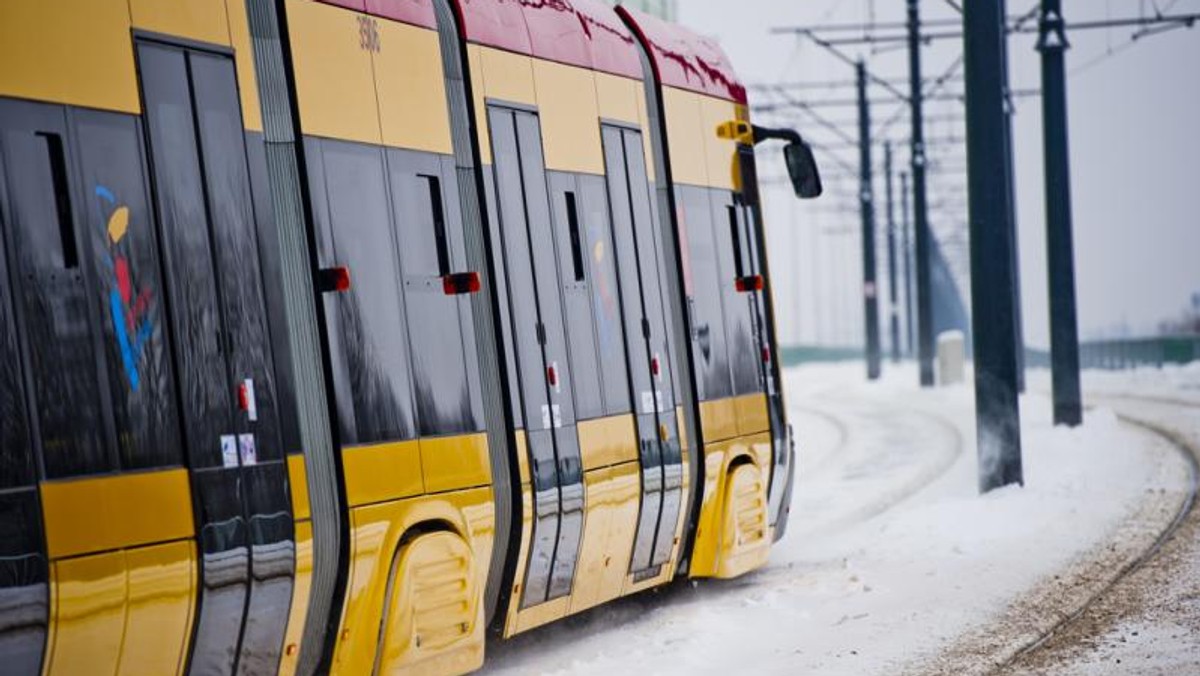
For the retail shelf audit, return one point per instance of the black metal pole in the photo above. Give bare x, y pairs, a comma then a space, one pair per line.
893, 292
920, 204
1064, 331
906, 253
998, 429
867, 202
1018, 316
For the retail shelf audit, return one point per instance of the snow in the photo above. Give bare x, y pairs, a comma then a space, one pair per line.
891, 555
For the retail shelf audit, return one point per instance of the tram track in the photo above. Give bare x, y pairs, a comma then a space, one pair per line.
1189, 452
989, 651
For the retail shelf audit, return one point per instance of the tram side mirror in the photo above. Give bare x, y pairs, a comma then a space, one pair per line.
802, 168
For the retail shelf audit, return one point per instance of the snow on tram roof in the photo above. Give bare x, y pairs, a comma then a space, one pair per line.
582, 33
684, 59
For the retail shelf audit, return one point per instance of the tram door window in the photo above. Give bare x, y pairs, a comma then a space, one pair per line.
650, 365
431, 233
744, 360
24, 595
545, 386
705, 287
574, 277
741, 220
223, 360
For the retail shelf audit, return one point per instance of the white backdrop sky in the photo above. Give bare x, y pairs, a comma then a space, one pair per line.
1135, 162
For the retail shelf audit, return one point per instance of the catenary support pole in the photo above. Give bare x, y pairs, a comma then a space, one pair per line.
1019, 312
906, 253
893, 292
870, 287
998, 429
1064, 330
920, 205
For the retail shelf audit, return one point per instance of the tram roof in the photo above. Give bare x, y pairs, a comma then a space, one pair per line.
684, 59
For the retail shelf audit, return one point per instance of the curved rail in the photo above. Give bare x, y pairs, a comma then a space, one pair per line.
1190, 452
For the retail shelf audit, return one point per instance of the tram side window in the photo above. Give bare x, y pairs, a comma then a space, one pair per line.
605, 298
434, 321
706, 294
50, 292
371, 356
120, 243
581, 339
733, 262
16, 455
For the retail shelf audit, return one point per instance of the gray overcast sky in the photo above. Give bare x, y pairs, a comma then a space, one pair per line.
1135, 161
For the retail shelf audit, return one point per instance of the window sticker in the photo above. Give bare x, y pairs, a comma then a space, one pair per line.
229, 451
247, 450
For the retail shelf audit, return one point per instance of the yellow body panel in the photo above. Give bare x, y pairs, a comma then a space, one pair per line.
290, 658
376, 532
745, 535
607, 441
77, 52
706, 550
668, 570
434, 620
91, 515
88, 615
382, 472
298, 486
686, 147
718, 420
611, 497
453, 463
335, 84
726, 500
752, 416
411, 89
698, 156
542, 614
617, 98
570, 117
523, 458
510, 620
199, 20
507, 76
160, 609
720, 154
243, 57
499, 75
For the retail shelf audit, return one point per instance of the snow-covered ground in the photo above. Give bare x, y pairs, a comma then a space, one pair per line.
893, 560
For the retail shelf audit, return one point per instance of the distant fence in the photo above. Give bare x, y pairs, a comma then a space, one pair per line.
805, 354
1098, 354
1128, 353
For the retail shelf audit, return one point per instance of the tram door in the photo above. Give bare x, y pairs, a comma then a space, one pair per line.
648, 351
539, 337
223, 357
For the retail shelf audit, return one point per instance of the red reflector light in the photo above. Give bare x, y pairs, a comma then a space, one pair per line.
243, 396
654, 366
335, 279
552, 376
460, 282
766, 355
751, 283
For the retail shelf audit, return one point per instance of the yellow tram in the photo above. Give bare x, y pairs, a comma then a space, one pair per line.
338, 334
